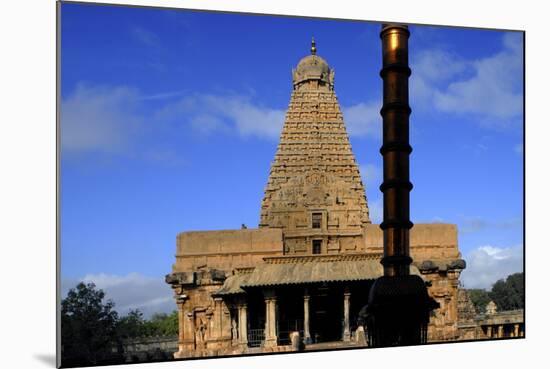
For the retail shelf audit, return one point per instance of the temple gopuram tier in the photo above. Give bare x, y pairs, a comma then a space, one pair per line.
301, 280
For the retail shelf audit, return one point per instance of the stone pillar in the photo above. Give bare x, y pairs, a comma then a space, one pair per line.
270, 319
181, 330
489, 331
216, 322
500, 331
186, 334
243, 324
307, 335
234, 326
346, 336
516, 330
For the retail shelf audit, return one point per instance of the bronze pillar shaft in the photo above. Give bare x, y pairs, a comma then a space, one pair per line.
396, 149
399, 305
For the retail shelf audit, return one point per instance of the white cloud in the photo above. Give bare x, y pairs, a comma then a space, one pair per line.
490, 88
132, 291
494, 252
436, 66
363, 119
477, 224
431, 69
371, 174
207, 123
372, 178
163, 95
145, 36
376, 211
100, 119
114, 119
251, 120
213, 113
487, 264
164, 157
120, 120
473, 224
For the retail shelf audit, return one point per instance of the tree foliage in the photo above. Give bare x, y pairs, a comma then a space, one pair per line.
480, 298
93, 333
164, 324
133, 325
507, 294
88, 326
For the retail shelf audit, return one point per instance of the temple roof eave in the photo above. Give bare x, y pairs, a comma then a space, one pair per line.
285, 271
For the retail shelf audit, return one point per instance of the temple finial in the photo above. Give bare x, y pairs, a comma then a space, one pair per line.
313, 48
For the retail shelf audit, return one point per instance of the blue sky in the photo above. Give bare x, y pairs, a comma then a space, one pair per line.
170, 120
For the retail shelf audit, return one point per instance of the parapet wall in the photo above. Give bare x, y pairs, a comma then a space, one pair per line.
428, 241
227, 249
245, 248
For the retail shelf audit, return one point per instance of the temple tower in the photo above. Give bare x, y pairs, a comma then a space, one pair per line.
314, 192
250, 290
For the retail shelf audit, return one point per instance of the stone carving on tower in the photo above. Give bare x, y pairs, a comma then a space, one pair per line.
314, 192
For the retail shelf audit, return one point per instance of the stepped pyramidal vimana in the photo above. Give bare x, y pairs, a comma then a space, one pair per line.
300, 281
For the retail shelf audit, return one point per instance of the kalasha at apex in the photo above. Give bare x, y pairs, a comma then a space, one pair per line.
302, 279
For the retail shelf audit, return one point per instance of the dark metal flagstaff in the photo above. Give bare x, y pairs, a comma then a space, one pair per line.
399, 305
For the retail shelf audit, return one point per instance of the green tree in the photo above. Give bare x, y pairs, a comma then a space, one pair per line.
88, 327
480, 298
132, 325
167, 323
162, 324
509, 294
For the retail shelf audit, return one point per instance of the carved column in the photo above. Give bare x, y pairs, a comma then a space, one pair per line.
516, 330
234, 326
500, 331
270, 319
216, 331
186, 337
307, 335
490, 332
347, 335
181, 329
243, 323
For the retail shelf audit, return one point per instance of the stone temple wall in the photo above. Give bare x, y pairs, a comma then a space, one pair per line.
203, 261
428, 241
226, 250
211, 256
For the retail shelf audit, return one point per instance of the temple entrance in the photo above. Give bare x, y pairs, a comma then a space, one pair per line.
256, 319
327, 315
319, 312
290, 317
